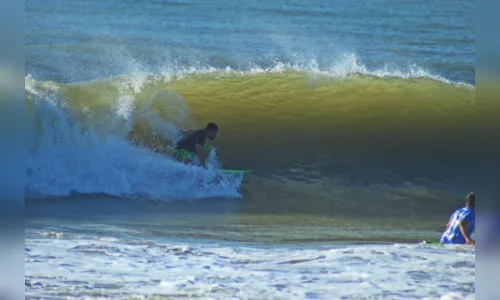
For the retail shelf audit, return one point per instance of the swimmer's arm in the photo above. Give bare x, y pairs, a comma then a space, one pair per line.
201, 154
463, 229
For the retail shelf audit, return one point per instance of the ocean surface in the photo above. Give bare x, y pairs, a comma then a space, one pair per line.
357, 117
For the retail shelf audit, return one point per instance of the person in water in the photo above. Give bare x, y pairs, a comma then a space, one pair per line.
193, 143
461, 223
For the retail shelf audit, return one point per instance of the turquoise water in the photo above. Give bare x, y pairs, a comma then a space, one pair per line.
83, 40
356, 117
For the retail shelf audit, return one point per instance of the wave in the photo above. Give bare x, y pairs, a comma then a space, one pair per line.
292, 122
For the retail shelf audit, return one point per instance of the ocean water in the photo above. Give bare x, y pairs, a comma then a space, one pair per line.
357, 117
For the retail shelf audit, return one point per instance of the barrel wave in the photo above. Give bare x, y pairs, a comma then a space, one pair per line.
302, 132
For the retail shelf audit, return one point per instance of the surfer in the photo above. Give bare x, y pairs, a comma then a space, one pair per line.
193, 143
461, 223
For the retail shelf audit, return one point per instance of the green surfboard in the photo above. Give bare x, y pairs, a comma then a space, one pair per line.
431, 243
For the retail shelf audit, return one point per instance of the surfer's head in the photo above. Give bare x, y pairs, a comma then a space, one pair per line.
211, 130
470, 200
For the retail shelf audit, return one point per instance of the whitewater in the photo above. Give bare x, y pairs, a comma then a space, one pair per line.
138, 268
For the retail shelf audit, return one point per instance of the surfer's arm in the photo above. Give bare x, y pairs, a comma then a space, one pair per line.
463, 228
201, 154
199, 142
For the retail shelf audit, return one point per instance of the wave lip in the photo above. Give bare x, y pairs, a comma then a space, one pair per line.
345, 64
350, 64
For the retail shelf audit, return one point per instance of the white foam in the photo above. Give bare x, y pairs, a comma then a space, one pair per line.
346, 64
125, 267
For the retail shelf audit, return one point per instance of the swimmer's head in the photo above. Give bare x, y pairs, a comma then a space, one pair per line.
470, 200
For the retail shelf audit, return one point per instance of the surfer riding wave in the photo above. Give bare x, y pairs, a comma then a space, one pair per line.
193, 144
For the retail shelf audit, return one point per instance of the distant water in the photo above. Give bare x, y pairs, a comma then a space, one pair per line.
357, 117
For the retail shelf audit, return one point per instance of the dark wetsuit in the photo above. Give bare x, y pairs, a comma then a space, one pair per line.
191, 138
186, 148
